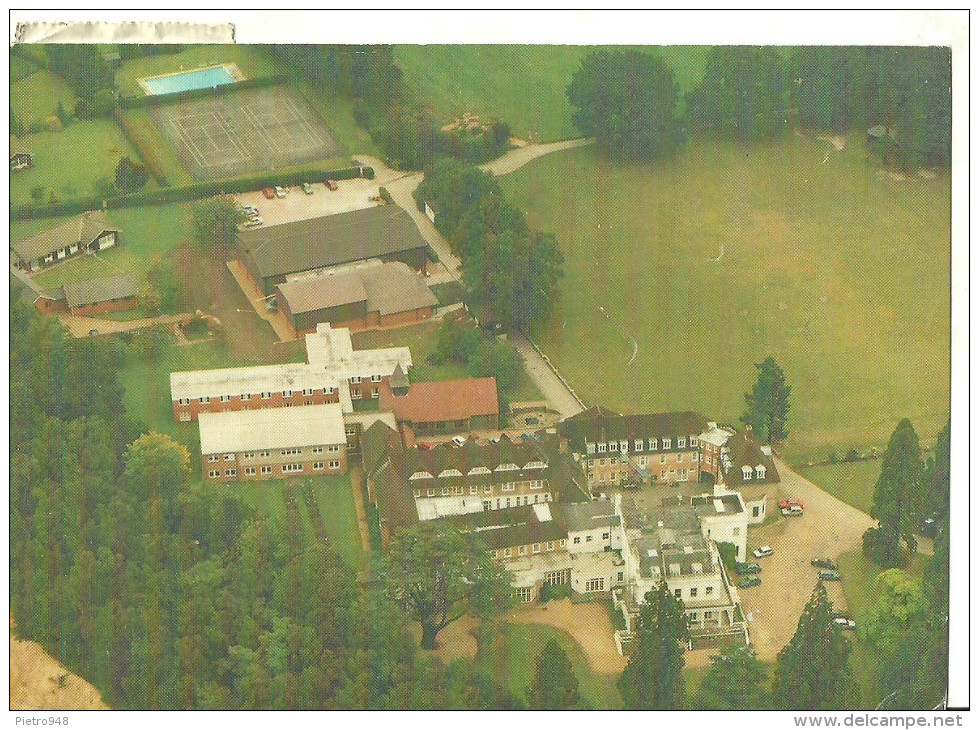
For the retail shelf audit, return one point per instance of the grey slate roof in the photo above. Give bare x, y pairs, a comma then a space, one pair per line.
83, 229
387, 288
330, 240
589, 515
599, 424
94, 291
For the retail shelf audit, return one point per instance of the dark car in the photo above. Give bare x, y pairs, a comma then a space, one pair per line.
749, 582
829, 575
824, 563
331, 185
268, 193
747, 568
929, 525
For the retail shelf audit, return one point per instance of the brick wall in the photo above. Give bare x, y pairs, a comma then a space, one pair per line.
239, 464
113, 305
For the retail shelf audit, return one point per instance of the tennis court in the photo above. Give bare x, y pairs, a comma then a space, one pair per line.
245, 132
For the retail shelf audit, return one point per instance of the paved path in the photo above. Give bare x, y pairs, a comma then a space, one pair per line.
84, 326
283, 330
401, 186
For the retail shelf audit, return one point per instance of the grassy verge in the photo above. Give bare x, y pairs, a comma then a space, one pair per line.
839, 274
852, 482
35, 98
510, 656
338, 115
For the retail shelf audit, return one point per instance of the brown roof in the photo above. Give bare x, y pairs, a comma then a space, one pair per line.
743, 449
444, 400
105, 289
598, 424
322, 292
83, 229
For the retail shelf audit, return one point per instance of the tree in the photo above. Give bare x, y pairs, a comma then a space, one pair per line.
937, 479
555, 686
130, 176
157, 467
653, 678
768, 403
103, 102
436, 573
822, 79
104, 187
37, 193
82, 66
627, 101
812, 671
742, 95
735, 681
150, 299
63, 116
216, 224
16, 126
897, 495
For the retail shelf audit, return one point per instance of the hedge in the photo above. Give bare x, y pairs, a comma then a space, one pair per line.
130, 102
184, 193
144, 152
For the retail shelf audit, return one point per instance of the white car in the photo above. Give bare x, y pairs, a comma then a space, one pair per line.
280, 192
763, 552
848, 624
253, 222
251, 210
458, 440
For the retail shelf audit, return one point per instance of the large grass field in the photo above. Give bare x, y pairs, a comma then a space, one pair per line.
840, 274
35, 98
852, 482
523, 85
510, 656
147, 234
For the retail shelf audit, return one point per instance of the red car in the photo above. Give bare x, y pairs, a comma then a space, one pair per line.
791, 502
424, 447
331, 184
268, 193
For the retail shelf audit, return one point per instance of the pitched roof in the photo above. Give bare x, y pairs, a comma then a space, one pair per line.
444, 400
93, 291
510, 527
330, 240
17, 147
387, 288
598, 425
272, 428
588, 515
83, 228
743, 449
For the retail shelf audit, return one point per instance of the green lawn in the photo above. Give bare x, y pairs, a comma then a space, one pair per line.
21, 67
338, 114
523, 85
852, 482
859, 575
69, 161
35, 98
166, 156
147, 233
510, 656
254, 61
841, 275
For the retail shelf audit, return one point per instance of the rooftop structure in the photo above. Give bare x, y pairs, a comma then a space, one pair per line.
273, 428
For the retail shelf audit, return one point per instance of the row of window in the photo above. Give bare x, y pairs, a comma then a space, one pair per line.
642, 445
332, 448
588, 538
482, 470
251, 471
759, 472
665, 476
60, 253
537, 547
266, 395
693, 616
354, 379
708, 591
355, 393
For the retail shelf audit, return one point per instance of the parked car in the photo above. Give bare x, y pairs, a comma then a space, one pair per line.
749, 582
747, 568
495, 440
829, 575
763, 552
250, 209
791, 502
424, 447
307, 188
825, 563
793, 511
331, 185
280, 192
253, 222
458, 440
268, 193
532, 421
845, 623
929, 525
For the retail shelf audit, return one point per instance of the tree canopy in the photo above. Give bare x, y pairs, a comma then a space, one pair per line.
768, 403
216, 224
897, 498
627, 101
735, 681
555, 686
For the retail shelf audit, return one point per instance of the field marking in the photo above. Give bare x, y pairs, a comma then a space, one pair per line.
635, 345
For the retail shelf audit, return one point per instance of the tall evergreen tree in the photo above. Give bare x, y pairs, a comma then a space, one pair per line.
735, 681
653, 678
555, 686
938, 479
821, 85
812, 671
768, 403
897, 496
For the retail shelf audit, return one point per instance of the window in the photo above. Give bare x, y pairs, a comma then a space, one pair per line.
709, 590
693, 442
333, 447
266, 396
230, 472
679, 457
623, 446
317, 465
249, 455
522, 550
602, 448
736, 531
225, 398
327, 391
590, 448
266, 470
205, 399
588, 538
678, 593
523, 595
265, 454
550, 544
642, 461
375, 378
666, 443
212, 458
290, 452
536, 547
214, 473
662, 459
375, 392
289, 468
613, 445
249, 471
760, 472
184, 401
577, 540
184, 417
508, 486
355, 393
229, 457
606, 535
637, 445
754, 511
653, 444
355, 379
487, 505
693, 592
473, 489
431, 492
334, 464
594, 584
508, 553
601, 478
746, 473
621, 577
681, 443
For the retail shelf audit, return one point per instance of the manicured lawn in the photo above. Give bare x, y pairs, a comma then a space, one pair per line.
859, 575
841, 275
35, 98
511, 657
147, 233
254, 62
69, 161
166, 156
338, 114
852, 482
21, 67
523, 85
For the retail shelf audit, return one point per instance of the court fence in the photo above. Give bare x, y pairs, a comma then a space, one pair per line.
147, 100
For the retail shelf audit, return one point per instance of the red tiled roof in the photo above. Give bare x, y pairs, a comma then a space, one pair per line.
443, 400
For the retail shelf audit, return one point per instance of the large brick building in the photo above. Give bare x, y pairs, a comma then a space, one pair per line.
445, 406
357, 297
334, 373
271, 254
273, 444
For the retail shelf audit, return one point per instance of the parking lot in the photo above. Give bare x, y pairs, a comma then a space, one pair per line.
828, 528
350, 195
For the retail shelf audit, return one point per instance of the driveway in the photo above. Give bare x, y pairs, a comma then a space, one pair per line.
547, 380
85, 326
829, 528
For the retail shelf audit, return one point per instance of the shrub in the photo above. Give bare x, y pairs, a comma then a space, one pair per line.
729, 554
131, 176
37, 193
37, 127
104, 187
552, 593
83, 110
103, 103
385, 195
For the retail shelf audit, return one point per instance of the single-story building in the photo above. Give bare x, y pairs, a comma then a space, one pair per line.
98, 296
445, 406
272, 253
273, 443
86, 233
375, 294
20, 157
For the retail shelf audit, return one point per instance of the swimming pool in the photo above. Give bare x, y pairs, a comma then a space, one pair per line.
202, 78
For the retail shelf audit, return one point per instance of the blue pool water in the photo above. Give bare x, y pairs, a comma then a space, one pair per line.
203, 78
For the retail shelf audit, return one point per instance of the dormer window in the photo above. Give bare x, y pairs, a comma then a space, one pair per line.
760, 471
535, 465
420, 475
681, 443
666, 443
653, 444
746, 473
693, 442
637, 445
507, 467
450, 473
590, 448
623, 446
613, 445
479, 470
602, 448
